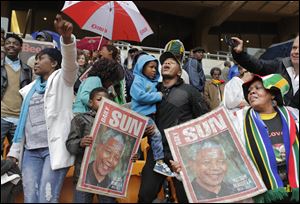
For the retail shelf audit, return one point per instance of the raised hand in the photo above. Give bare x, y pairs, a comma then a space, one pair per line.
64, 28
239, 45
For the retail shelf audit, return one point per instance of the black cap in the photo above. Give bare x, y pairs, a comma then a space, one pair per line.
132, 50
167, 55
198, 49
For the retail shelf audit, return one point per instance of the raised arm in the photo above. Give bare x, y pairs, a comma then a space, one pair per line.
68, 49
256, 66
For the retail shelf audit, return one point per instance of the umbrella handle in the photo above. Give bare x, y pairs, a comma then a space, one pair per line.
100, 42
110, 3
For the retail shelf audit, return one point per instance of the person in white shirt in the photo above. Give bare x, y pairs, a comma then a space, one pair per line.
233, 92
45, 120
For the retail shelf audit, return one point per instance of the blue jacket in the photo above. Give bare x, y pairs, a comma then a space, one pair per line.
195, 71
233, 71
143, 90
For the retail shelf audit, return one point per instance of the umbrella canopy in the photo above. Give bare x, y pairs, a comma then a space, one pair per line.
115, 20
91, 43
281, 50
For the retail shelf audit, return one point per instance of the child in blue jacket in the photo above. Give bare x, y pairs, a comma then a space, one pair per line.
144, 98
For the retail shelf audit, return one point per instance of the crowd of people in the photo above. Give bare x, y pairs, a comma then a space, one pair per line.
47, 112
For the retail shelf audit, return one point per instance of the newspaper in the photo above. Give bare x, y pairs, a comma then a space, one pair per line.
215, 165
14, 178
106, 165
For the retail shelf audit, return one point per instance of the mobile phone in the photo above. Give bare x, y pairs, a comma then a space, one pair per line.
230, 42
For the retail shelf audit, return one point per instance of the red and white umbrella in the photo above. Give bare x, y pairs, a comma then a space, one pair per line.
115, 20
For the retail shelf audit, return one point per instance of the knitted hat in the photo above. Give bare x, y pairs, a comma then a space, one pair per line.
175, 46
275, 83
53, 53
173, 49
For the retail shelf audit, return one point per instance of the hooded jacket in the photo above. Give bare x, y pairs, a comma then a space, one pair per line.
143, 90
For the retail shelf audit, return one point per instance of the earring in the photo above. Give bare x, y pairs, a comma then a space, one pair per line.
274, 103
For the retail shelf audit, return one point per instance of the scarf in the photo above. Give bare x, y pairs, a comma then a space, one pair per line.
261, 152
38, 87
217, 82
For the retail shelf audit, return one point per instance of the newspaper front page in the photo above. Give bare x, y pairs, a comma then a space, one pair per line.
215, 165
107, 164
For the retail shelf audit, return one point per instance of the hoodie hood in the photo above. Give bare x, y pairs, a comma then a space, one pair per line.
139, 66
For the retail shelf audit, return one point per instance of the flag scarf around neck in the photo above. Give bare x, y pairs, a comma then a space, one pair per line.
261, 152
38, 87
217, 81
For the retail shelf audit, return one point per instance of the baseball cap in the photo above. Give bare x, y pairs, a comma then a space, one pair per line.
167, 55
198, 49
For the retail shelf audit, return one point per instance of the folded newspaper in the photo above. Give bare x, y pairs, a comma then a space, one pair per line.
14, 178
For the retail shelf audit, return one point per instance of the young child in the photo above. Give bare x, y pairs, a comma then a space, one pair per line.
144, 98
79, 137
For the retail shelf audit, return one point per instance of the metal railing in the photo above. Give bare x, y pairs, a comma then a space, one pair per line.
220, 55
